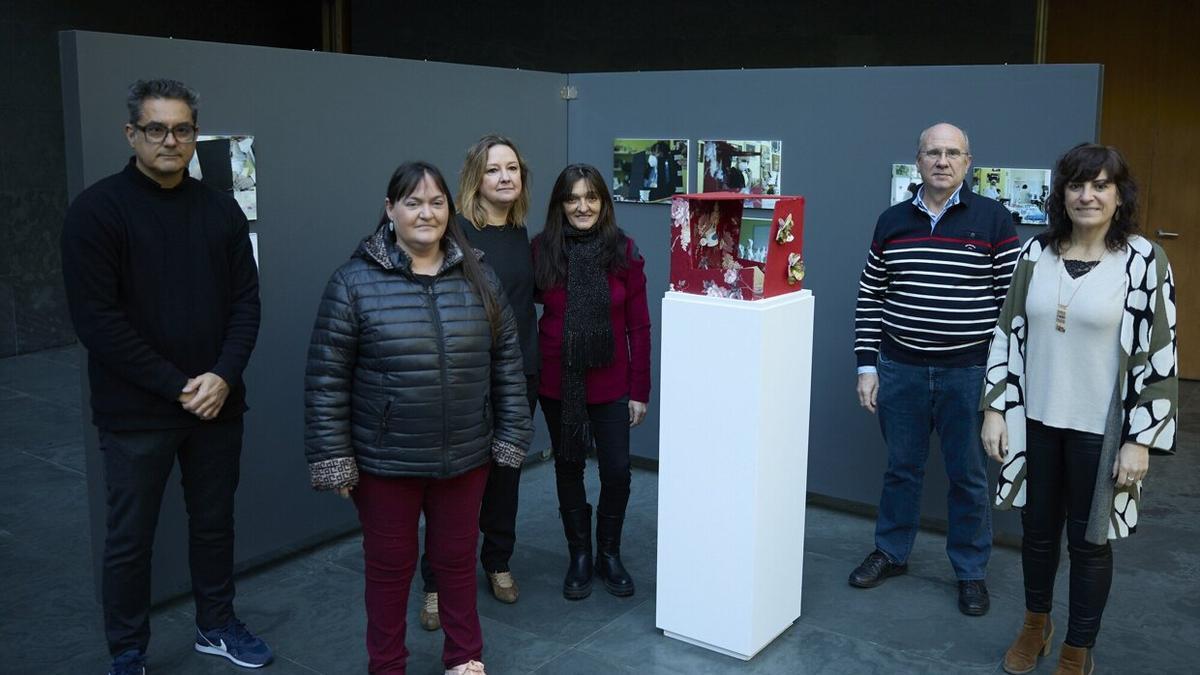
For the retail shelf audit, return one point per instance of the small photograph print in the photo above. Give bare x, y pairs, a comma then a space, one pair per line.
227, 163
906, 180
1022, 191
752, 242
649, 170
750, 167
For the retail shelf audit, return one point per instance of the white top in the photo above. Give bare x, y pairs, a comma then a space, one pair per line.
1070, 374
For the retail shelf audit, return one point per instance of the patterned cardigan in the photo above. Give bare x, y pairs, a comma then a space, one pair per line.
1145, 396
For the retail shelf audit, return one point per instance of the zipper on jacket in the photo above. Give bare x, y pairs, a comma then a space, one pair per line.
441, 336
383, 422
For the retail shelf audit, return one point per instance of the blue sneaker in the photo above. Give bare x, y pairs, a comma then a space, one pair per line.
235, 643
129, 662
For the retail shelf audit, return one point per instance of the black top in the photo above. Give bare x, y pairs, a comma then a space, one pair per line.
506, 249
162, 287
1078, 268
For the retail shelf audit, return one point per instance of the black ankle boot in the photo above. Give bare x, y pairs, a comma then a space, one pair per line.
608, 555
577, 525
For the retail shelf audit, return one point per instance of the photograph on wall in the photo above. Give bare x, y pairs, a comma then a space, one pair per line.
227, 163
1022, 191
906, 180
649, 170
750, 167
254, 247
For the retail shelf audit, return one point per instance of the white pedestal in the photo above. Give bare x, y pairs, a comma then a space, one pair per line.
732, 468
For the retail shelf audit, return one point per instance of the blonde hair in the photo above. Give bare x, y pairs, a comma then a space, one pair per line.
469, 201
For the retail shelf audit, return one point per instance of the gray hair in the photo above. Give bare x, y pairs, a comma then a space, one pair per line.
163, 88
925, 133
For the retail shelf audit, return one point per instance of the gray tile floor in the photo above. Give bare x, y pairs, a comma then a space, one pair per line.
310, 605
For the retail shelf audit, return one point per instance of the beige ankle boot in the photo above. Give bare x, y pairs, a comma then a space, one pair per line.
429, 618
1032, 641
1075, 661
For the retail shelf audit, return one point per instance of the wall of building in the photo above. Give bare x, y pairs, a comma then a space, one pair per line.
841, 130
33, 177
546, 35
321, 171
321, 178
580, 37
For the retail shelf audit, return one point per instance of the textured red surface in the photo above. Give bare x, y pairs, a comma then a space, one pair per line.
705, 231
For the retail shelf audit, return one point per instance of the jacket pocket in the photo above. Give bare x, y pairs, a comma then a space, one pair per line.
384, 420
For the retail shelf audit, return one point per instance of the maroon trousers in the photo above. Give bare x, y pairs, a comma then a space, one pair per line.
389, 510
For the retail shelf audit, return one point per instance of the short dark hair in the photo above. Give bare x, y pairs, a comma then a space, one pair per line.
550, 265
162, 88
1083, 163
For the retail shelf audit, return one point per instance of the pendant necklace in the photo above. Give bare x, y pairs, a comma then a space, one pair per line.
1060, 316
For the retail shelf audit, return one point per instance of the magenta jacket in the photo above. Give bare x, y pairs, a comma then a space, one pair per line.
629, 372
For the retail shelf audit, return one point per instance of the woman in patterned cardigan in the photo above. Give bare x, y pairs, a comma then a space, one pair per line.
1081, 387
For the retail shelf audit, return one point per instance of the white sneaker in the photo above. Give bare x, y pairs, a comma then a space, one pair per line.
468, 668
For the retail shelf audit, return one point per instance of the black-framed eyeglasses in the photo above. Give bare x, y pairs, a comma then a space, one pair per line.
157, 133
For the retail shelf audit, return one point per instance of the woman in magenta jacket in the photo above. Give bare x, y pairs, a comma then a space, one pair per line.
594, 340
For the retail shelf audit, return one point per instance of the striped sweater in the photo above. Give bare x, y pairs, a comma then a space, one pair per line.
932, 297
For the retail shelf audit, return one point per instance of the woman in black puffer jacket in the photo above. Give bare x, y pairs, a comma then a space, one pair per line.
414, 388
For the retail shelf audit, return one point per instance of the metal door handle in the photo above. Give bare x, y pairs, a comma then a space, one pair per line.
1166, 235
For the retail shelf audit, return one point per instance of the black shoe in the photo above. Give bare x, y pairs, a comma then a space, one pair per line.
973, 597
577, 525
608, 556
875, 569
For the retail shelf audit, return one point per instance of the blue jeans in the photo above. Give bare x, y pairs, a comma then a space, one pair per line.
914, 401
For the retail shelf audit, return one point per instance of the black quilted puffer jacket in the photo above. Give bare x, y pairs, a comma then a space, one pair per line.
405, 379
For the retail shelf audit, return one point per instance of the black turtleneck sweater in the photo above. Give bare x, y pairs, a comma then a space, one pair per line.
162, 286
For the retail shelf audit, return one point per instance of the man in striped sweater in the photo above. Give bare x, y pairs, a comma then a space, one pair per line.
934, 282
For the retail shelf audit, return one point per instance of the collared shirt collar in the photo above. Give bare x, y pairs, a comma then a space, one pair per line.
919, 202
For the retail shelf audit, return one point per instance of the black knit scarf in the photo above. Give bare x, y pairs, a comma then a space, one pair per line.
587, 335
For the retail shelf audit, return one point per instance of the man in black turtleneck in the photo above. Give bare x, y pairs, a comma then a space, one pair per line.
163, 291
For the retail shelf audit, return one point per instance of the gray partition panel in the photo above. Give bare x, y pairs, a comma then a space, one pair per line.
842, 129
329, 129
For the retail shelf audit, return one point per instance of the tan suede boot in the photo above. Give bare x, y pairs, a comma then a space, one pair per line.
1075, 661
429, 618
1033, 641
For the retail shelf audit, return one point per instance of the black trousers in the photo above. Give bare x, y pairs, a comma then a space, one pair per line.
497, 513
137, 465
610, 428
1060, 475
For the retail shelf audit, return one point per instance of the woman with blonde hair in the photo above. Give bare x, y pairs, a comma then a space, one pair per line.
493, 194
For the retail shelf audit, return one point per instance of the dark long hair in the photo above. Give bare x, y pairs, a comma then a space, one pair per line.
550, 264
1081, 164
405, 180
